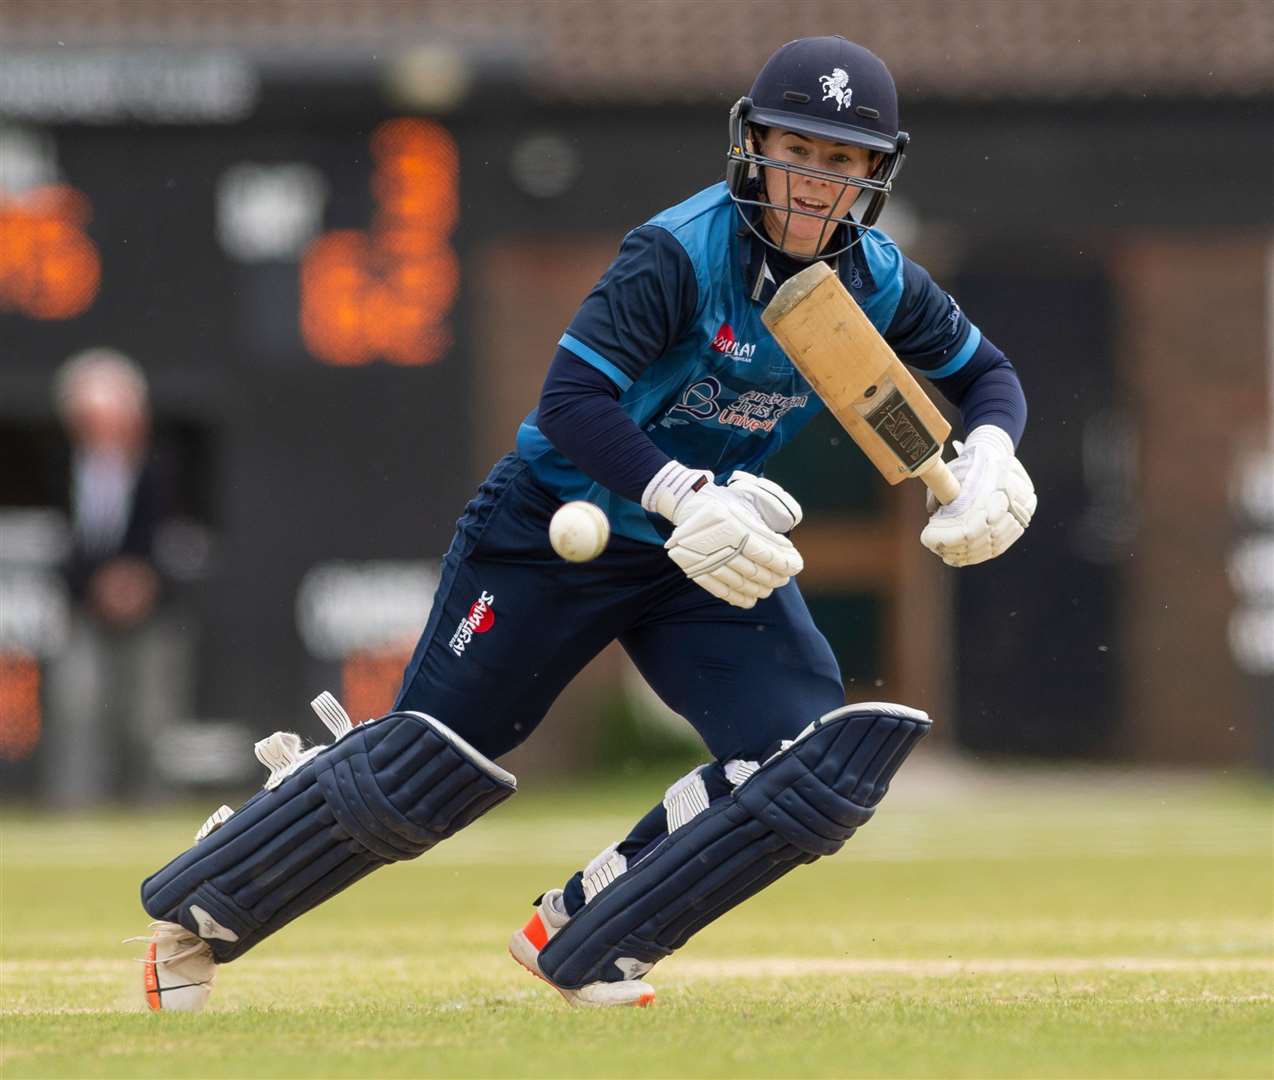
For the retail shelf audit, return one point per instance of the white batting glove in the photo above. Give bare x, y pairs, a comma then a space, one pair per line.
721, 540
776, 507
994, 507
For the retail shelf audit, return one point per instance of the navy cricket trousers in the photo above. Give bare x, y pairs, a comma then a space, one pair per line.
512, 624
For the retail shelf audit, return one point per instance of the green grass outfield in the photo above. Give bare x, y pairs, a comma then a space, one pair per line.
1014, 924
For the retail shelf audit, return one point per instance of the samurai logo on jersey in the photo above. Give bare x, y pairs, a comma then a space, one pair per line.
480, 619
724, 343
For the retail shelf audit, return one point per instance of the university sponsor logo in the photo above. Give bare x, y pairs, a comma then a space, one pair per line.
480, 619
836, 88
757, 410
699, 399
725, 343
753, 410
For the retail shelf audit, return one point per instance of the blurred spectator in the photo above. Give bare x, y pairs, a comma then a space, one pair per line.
125, 670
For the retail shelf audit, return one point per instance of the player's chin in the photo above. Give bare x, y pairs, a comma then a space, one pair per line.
801, 233
812, 221
805, 238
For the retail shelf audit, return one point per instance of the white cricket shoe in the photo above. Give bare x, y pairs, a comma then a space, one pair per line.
177, 970
550, 916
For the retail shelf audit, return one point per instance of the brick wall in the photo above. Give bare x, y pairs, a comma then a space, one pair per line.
1194, 346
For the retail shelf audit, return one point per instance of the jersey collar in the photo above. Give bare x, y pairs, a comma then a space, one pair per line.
764, 271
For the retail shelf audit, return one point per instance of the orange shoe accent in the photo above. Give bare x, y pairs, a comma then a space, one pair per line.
644, 1000
150, 979
535, 932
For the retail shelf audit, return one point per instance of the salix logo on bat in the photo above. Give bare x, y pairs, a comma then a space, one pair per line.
480, 619
896, 422
836, 86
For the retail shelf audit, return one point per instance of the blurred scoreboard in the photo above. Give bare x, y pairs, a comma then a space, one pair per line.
293, 286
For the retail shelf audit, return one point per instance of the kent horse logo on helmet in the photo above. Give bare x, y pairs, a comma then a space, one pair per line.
836, 86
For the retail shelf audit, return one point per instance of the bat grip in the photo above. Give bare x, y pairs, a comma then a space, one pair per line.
940, 480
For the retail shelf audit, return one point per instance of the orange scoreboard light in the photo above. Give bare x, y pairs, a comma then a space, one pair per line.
49, 268
385, 293
290, 282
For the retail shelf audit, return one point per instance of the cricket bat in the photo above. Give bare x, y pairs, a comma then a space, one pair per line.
850, 366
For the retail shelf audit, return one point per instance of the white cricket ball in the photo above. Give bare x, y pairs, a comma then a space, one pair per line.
579, 531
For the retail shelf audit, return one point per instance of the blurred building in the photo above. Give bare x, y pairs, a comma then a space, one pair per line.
341, 240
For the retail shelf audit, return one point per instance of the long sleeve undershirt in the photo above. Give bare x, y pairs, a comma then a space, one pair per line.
580, 415
646, 301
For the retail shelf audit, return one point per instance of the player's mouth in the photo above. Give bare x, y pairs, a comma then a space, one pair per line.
814, 206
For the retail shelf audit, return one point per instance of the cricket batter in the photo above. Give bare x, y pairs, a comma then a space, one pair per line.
661, 405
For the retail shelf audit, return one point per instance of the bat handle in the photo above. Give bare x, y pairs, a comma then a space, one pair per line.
940, 480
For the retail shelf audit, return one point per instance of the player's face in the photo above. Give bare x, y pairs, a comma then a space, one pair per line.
821, 196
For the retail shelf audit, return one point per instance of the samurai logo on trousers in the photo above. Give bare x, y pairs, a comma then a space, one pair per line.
480, 619
836, 85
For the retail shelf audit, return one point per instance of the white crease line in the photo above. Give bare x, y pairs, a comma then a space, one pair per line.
781, 966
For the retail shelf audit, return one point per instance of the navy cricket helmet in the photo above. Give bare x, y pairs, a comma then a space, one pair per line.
825, 88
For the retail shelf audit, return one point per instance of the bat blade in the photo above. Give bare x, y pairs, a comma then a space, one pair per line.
859, 378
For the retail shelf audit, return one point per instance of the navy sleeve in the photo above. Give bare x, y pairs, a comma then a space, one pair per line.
580, 415
643, 303
987, 391
930, 333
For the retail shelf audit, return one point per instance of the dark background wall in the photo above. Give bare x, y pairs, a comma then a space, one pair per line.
1030, 212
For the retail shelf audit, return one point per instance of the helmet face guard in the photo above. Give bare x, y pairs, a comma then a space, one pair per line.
746, 179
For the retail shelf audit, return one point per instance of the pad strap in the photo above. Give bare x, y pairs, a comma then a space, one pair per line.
387, 791
804, 802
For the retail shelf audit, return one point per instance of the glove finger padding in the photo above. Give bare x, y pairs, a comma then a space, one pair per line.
762, 575
1004, 532
749, 570
1020, 492
709, 537
995, 504
723, 540
696, 563
773, 504
973, 538
774, 552
722, 591
733, 572
730, 577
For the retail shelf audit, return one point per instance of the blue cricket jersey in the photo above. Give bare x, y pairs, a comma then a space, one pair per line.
675, 324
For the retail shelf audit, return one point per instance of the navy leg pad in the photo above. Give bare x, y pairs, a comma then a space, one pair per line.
803, 803
388, 791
